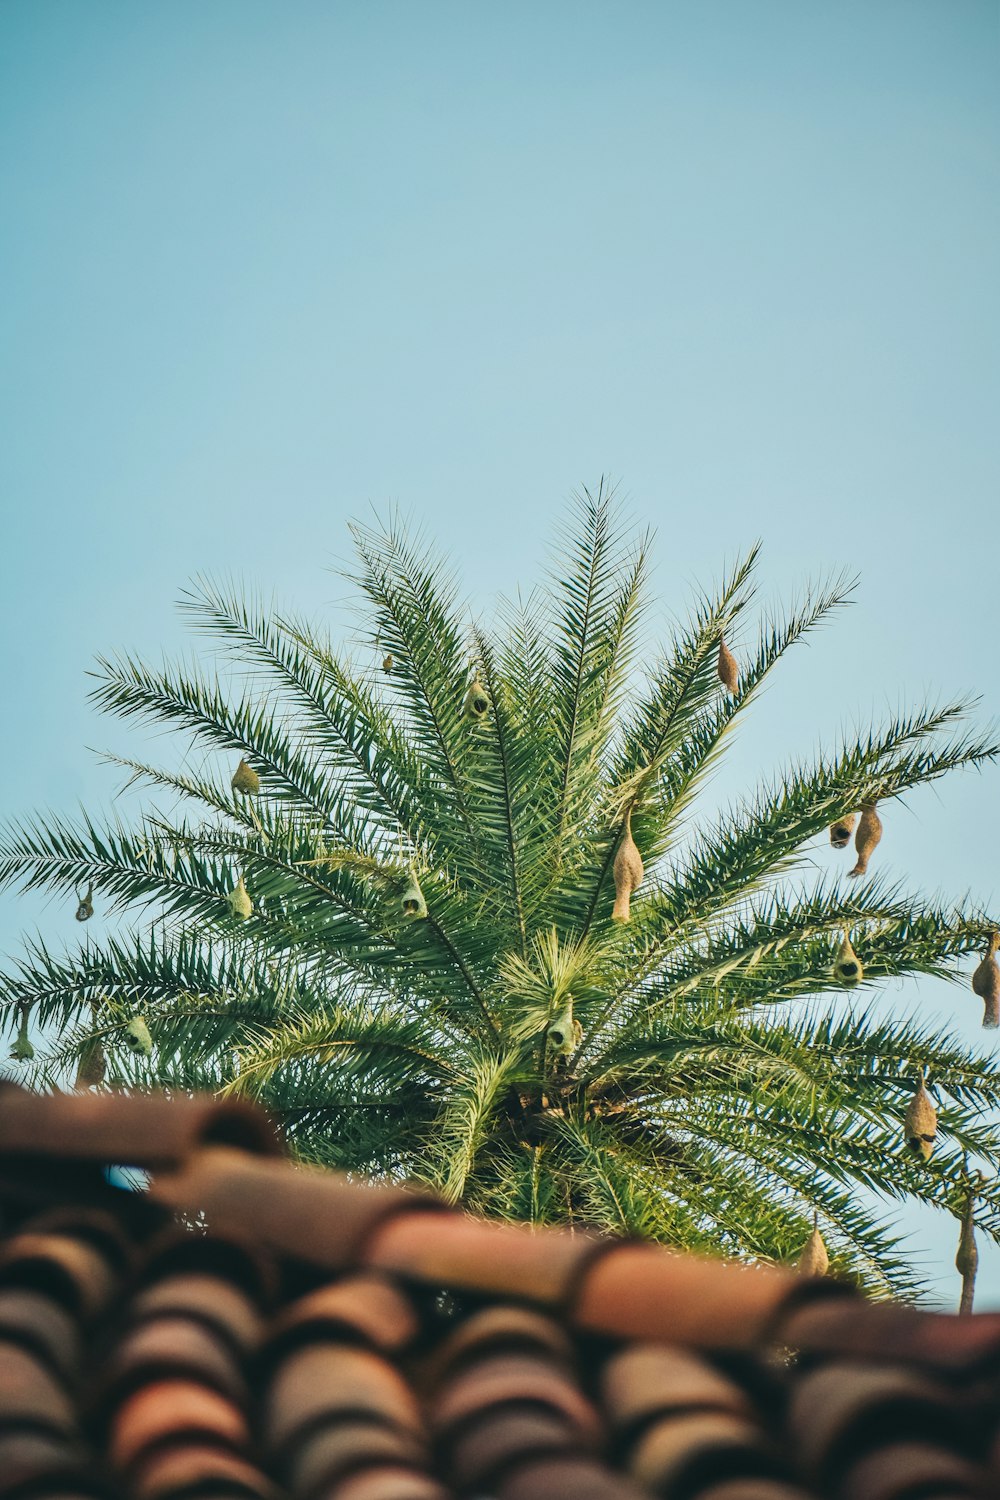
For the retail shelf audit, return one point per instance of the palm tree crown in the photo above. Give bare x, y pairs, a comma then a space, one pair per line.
453, 915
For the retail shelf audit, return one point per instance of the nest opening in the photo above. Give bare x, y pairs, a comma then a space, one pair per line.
477, 700
412, 903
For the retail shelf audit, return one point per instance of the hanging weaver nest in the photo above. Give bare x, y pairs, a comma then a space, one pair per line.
814, 1260
986, 983
22, 1050
137, 1037
867, 837
411, 902
93, 1066
967, 1255
477, 700
85, 905
847, 966
628, 872
840, 832
729, 672
239, 901
565, 1033
921, 1123
246, 780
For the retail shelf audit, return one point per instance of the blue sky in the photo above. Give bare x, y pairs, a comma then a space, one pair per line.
267, 265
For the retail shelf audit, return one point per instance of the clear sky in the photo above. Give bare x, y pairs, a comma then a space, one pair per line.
266, 264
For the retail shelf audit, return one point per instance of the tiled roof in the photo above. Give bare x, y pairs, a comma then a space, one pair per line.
250, 1330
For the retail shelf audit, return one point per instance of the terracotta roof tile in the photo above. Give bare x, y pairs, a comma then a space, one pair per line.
965, 1348
565, 1478
386, 1482
164, 1346
369, 1309
684, 1453
646, 1380
195, 1468
147, 1130
206, 1299
505, 1328
152, 1417
481, 1452
318, 1340
326, 1455
752, 1489
645, 1292
30, 1458
41, 1326
71, 1271
846, 1408
900, 1470
308, 1212
30, 1396
331, 1381
507, 1379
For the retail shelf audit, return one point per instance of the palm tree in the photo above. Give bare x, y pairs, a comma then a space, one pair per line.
403, 924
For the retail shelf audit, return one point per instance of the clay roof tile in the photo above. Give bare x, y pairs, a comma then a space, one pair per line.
154, 1415
645, 1380
41, 1326
849, 1408
252, 1330
368, 1308
899, 1470
325, 1381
